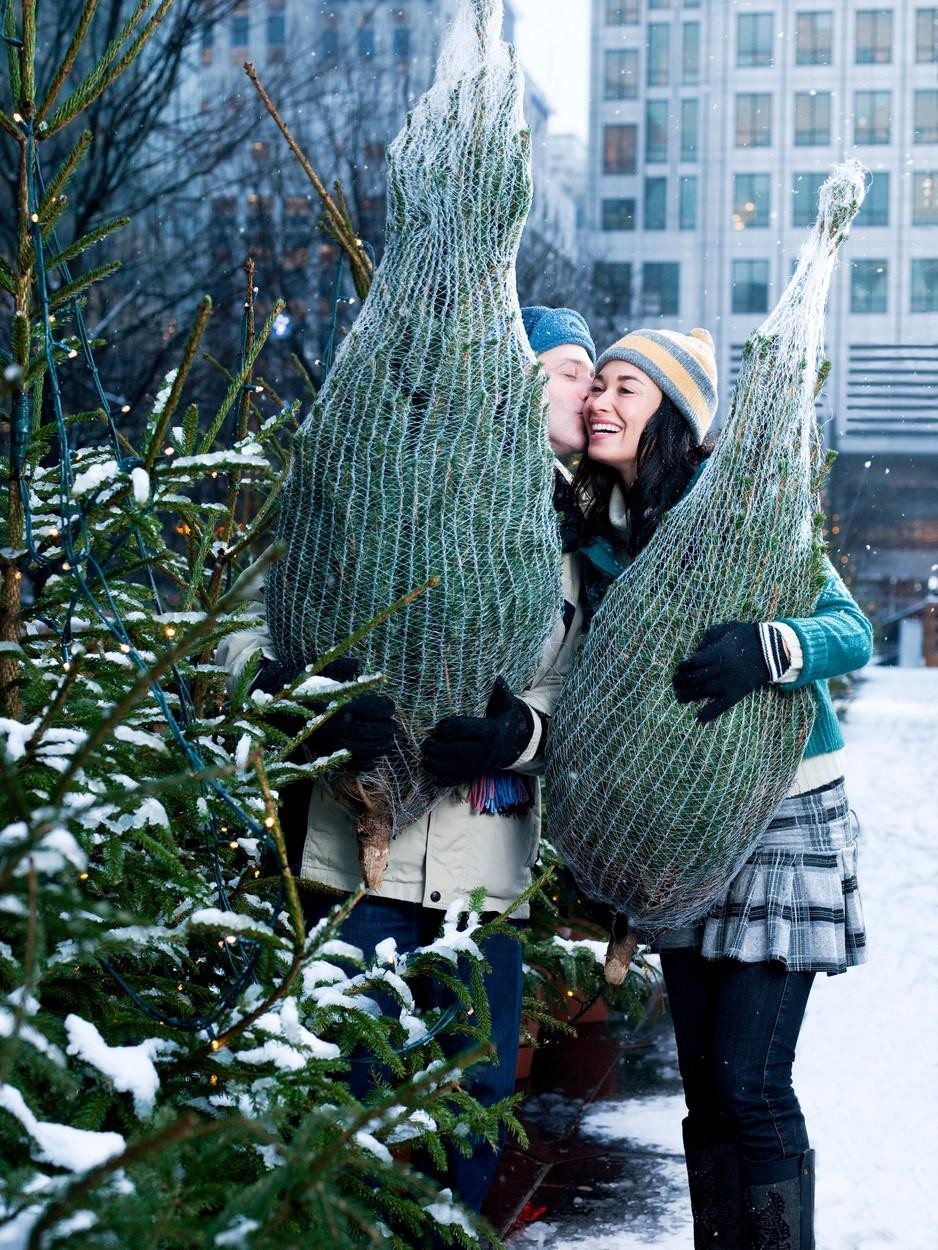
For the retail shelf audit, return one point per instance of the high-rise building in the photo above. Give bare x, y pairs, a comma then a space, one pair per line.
344, 76
713, 124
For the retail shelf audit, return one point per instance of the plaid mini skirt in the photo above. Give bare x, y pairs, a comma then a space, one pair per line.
795, 900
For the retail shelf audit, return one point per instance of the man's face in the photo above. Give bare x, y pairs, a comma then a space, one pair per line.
569, 373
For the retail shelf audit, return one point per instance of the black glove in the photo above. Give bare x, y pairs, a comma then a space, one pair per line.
460, 748
729, 663
364, 726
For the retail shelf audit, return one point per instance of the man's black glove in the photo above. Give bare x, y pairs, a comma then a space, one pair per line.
729, 663
364, 726
460, 748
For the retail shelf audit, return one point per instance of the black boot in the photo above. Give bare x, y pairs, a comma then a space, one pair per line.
715, 1193
778, 1206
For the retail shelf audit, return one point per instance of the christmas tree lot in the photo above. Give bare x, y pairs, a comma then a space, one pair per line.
173, 1042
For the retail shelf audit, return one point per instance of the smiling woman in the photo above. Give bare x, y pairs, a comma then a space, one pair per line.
622, 401
646, 420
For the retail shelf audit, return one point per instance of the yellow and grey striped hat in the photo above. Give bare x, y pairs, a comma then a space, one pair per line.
683, 365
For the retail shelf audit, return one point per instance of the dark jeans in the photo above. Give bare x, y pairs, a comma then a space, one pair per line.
737, 1026
411, 925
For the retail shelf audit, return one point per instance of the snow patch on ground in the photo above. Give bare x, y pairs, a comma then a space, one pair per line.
867, 1066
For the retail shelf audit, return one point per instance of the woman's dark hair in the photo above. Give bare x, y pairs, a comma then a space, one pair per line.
668, 456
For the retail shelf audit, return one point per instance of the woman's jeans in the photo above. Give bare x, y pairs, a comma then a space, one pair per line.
737, 1027
373, 920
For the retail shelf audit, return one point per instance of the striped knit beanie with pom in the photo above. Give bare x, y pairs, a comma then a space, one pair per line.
683, 365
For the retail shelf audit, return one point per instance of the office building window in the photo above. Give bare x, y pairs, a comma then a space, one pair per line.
623, 12
926, 117
751, 201
872, 116
276, 26
874, 36
365, 37
753, 120
612, 286
656, 131
874, 211
661, 289
690, 145
687, 203
240, 29
618, 215
619, 149
750, 286
620, 79
868, 282
656, 203
659, 54
805, 188
925, 199
660, 4
400, 43
926, 35
329, 46
754, 39
925, 285
690, 54
812, 118
814, 39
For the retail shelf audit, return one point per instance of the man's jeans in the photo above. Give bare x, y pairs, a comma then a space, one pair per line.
411, 925
737, 1027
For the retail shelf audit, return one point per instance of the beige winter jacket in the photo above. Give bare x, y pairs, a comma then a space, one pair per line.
453, 849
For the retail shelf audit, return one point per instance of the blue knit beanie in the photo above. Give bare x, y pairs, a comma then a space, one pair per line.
550, 327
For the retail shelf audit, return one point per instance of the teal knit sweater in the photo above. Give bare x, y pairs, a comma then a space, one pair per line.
837, 639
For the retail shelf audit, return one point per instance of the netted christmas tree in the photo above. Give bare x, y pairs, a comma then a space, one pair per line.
653, 811
174, 1044
426, 454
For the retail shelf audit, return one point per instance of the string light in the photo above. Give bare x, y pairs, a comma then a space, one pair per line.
170, 631
269, 822
83, 876
169, 451
125, 648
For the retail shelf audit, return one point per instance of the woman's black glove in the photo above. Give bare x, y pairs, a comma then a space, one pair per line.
364, 726
460, 748
729, 663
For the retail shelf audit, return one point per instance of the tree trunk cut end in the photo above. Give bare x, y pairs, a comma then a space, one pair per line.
619, 957
374, 849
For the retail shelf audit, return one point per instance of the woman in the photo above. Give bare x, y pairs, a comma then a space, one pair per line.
738, 982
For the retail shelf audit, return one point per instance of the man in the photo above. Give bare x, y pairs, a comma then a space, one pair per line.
456, 847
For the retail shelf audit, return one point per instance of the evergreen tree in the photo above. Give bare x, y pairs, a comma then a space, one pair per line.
173, 1042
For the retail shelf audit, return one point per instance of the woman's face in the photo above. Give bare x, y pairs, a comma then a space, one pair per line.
622, 401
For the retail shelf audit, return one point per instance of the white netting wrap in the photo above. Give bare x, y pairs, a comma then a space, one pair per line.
654, 812
426, 453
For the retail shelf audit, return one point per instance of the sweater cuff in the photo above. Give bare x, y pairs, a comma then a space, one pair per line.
534, 744
784, 668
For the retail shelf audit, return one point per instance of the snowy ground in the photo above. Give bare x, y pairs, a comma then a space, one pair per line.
866, 1070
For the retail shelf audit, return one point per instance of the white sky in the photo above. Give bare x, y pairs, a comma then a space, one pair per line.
553, 43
